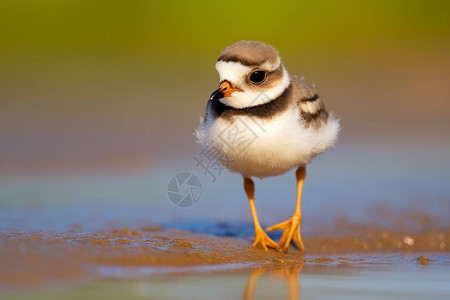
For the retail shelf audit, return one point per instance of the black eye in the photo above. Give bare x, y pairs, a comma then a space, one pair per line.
257, 76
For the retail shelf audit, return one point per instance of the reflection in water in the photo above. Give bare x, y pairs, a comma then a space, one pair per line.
289, 274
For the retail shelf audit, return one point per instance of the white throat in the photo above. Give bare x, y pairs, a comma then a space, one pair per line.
235, 73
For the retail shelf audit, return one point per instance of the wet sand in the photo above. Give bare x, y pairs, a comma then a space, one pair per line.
46, 261
84, 238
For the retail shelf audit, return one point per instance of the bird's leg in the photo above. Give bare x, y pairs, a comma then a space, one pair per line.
291, 227
260, 236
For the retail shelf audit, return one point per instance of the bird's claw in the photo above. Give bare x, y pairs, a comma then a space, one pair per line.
261, 238
291, 231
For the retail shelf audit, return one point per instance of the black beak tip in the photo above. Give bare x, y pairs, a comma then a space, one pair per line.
216, 95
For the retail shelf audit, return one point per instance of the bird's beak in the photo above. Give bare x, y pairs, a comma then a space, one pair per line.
225, 90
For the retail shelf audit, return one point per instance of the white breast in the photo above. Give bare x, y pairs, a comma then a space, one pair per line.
256, 147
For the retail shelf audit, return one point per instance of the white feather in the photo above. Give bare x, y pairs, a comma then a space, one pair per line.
267, 148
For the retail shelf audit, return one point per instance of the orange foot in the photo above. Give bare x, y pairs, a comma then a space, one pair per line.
291, 231
261, 238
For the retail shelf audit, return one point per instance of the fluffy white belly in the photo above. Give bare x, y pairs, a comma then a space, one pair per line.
256, 147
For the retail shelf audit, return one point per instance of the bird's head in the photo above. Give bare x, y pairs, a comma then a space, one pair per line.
251, 73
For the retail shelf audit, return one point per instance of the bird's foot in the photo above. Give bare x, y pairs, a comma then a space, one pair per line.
261, 238
291, 231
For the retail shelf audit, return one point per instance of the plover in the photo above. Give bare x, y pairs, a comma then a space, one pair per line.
264, 122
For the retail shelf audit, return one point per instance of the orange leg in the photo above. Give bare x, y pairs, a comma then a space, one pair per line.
291, 227
261, 238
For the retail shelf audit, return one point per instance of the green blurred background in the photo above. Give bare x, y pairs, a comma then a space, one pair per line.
120, 85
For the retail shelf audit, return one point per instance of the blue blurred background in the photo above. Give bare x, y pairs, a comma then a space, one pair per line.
99, 100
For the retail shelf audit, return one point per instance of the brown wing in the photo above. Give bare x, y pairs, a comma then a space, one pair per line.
311, 107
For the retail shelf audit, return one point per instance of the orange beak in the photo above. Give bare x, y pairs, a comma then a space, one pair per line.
225, 90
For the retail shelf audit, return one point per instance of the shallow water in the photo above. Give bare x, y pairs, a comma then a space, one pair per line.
156, 263
365, 225
391, 277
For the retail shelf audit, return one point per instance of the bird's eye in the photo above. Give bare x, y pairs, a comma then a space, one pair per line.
257, 76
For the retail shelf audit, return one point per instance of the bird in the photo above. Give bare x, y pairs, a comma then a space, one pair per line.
261, 121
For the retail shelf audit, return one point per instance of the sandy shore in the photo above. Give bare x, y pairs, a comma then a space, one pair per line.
40, 258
